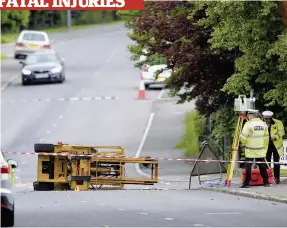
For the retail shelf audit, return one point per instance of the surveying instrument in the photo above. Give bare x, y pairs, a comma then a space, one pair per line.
241, 105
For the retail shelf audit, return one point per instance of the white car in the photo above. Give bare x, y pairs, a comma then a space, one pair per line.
149, 74
6, 189
30, 41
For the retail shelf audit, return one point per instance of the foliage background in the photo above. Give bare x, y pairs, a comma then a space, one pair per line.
217, 50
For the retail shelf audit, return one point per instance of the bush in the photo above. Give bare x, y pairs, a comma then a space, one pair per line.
194, 129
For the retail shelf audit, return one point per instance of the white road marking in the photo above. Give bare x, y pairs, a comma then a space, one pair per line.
10, 81
142, 213
61, 99
198, 225
224, 213
142, 144
41, 140
53, 124
47, 99
16, 177
168, 218
61, 117
74, 99
121, 209
48, 132
160, 94
101, 204
87, 98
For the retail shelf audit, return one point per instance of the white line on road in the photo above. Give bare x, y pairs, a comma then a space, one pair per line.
48, 132
160, 94
149, 124
41, 140
142, 213
142, 144
168, 218
224, 213
54, 125
121, 209
10, 81
198, 225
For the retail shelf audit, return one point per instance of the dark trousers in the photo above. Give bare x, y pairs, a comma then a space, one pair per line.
262, 168
273, 151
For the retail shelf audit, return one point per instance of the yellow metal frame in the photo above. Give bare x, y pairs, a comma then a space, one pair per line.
79, 167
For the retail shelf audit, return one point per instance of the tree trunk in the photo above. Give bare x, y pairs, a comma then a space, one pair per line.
284, 11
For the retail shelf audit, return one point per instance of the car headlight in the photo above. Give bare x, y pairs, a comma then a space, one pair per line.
26, 72
56, 70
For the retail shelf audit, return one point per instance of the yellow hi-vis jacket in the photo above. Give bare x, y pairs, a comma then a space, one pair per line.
277, 131
255, 138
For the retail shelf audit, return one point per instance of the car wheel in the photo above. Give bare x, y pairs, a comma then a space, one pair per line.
43, 186
146, 86
16, 56
24, 82
43, 147
9, 218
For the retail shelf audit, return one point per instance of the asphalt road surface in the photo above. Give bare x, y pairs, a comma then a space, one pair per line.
97, 104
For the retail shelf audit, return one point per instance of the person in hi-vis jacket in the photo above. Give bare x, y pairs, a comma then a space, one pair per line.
254, 138
275, 147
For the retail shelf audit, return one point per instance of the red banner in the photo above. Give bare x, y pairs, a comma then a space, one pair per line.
71, 4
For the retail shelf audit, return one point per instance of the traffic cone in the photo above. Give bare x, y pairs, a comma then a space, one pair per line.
141, 93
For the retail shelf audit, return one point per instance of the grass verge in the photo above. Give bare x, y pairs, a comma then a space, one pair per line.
283, 172
9, 38
194, 127
3, 56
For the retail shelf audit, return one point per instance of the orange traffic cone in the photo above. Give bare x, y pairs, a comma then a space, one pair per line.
141, 93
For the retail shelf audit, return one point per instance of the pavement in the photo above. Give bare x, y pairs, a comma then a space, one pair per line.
97, 104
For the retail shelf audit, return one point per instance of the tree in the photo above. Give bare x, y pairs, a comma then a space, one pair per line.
256, 29
165, 29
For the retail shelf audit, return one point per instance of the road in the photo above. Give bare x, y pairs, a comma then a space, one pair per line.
100, 72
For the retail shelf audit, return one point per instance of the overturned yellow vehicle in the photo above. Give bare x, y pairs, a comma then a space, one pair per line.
83, 167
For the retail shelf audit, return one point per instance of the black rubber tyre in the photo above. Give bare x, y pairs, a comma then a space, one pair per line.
43, 147
147, 86
43, 186
24, 83
8, 218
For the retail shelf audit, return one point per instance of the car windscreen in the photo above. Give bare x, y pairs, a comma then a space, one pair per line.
41, 58
33, 37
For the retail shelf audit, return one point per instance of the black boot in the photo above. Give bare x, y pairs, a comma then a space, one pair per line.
277, 180
244, 186
266, 183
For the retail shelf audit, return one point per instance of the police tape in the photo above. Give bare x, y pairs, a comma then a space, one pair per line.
67, 154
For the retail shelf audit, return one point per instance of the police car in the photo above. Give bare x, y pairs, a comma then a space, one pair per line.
7, 196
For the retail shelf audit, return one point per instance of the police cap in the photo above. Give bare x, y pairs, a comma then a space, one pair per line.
267, 114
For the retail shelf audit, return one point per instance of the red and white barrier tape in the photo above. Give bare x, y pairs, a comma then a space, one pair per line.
151, 158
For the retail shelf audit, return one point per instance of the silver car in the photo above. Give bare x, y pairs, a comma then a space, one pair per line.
30, 41
7, 196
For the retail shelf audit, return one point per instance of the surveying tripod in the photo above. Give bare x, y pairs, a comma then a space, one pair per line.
234, 149
241, 105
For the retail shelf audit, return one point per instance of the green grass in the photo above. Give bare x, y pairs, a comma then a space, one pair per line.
3, 56
9, 38
283, 172
193, 129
